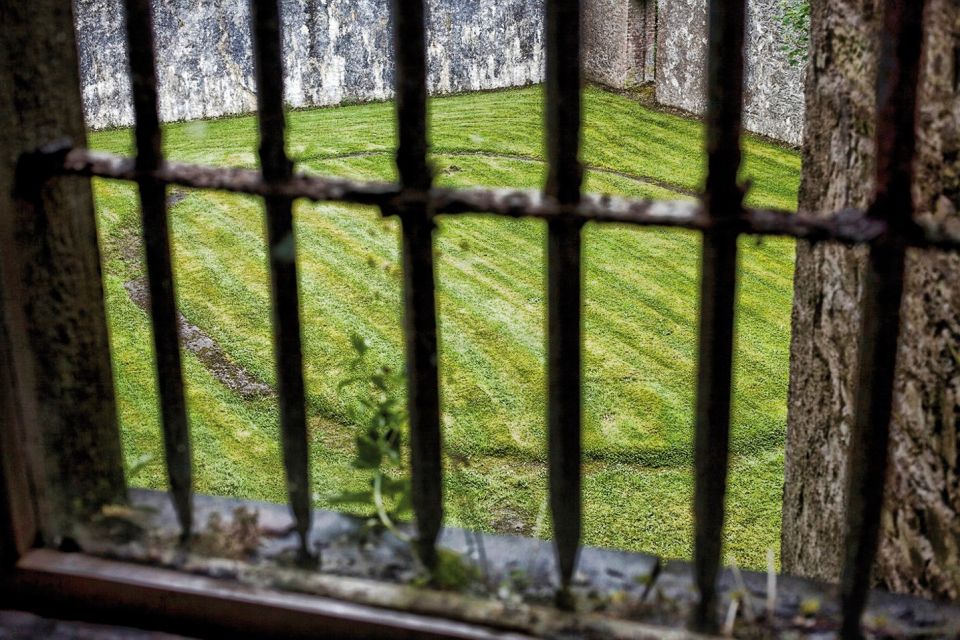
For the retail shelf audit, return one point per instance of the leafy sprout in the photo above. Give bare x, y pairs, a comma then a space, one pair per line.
382, 426
134, 468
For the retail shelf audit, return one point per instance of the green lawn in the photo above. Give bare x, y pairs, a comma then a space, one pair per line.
641, 294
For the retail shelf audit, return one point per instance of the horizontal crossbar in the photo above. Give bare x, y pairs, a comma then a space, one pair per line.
849, 226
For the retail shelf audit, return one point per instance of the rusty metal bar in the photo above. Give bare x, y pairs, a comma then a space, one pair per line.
848, 226
156, 242
288, 351
420, 312
897, 82
564, 278
723, 200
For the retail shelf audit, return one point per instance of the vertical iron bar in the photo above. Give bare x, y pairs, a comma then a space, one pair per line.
897, 80
288, 352
564, 277
723, 201
156, 241
420, 319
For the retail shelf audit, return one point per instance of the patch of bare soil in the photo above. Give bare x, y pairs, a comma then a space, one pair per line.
214, 358
211, 355
175, 196
509, 521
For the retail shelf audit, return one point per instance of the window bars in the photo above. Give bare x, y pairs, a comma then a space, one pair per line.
887, 227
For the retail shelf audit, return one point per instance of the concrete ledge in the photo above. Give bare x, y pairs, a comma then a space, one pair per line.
619, 594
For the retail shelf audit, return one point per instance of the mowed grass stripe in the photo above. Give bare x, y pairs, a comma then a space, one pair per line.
641, 288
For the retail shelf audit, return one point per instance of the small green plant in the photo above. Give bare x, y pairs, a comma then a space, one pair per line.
382, 420
810, 607
132, 469
382, 424
452, 573
795, 18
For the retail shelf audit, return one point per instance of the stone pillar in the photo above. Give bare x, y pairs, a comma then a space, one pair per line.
52, 305
920, 535
619, 40
773, 90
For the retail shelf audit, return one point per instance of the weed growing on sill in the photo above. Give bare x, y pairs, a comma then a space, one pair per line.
379, 441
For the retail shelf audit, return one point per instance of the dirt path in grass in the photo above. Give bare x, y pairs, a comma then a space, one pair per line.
210, 354
192, 338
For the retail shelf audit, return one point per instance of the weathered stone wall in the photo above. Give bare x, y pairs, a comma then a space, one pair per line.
338, 52
606, 58
681, 53
334, 52
773, 101
618, 41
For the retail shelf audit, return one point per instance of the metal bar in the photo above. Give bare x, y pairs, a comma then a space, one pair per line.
420, 313
723, 200
564, 277
288, 352
897, 81
848, 226
156, 241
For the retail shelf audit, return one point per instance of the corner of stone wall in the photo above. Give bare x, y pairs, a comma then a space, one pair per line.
773, 101
681, 54
604, 35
